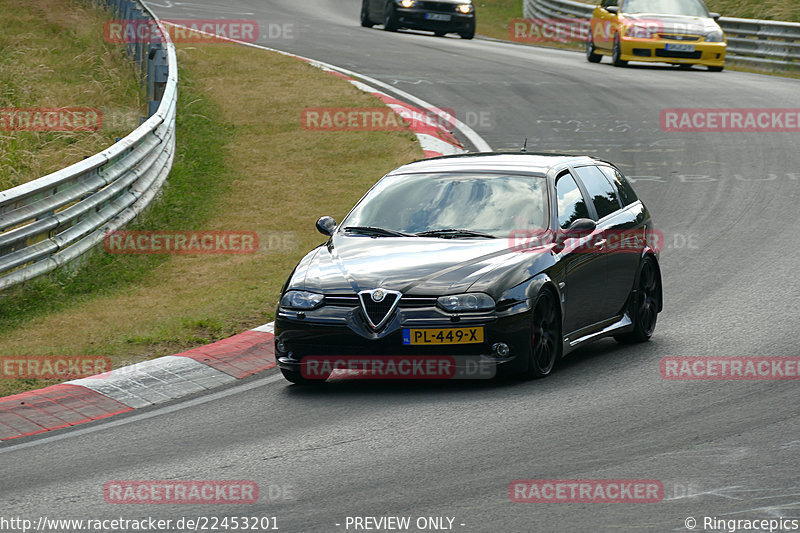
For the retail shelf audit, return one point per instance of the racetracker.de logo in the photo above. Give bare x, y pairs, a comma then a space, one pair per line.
548, 30
50, 119
730, 368
181, 242
397, 118
731, 120
180, 492
611, 241
53, 366
181, 31
396, 367
586, 491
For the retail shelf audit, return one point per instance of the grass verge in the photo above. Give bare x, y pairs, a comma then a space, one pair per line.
494, 17
243, 163
52, 55
785, 10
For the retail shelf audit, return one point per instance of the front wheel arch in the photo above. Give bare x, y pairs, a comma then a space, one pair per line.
547, 292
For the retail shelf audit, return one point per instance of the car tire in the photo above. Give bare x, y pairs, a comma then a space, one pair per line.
365, 20
390, 18
716, 69
469, 34
644, 304
591, 54
544, 347
617, 54
298, 379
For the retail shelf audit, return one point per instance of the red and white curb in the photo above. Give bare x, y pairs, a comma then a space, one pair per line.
136, 386
434, 138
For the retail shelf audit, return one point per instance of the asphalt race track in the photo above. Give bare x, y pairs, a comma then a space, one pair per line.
727, 204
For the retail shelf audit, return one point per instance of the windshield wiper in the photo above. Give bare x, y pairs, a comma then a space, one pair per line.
453, 233
375, 232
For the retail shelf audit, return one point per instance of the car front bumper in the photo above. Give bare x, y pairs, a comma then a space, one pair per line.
425, 19
656, 50
332, 331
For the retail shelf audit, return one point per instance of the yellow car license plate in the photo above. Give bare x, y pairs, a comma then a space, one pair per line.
473, 335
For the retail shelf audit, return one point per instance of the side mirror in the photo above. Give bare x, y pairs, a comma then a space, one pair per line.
613, 9
715, 16
326, 226
580, 228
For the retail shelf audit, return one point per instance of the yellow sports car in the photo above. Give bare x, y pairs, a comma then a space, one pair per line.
681, 32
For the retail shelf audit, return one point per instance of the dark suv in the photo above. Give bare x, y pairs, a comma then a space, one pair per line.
440, 17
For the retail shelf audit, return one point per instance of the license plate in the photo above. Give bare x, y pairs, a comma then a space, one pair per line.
438, 16
443, 336
672, 47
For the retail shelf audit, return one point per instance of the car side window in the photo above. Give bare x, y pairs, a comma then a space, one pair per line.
626, 193
571, 203
607, 3
602, 193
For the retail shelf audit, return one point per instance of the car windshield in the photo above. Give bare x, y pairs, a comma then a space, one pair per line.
491, 204
689, 8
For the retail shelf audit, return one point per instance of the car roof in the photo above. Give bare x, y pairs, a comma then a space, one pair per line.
513, 162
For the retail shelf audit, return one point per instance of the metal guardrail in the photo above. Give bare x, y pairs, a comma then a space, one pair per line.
51, 221
761, 43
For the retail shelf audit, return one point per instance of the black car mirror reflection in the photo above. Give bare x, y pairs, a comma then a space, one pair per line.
326, 225
579, 228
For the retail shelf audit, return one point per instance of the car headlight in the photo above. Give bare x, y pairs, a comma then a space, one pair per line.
639, 32
301, 300
464, 8
476, 301
407, 3
715, 36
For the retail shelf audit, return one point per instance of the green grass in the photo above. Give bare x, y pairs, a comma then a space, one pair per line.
495, 15
785, 10
52, 55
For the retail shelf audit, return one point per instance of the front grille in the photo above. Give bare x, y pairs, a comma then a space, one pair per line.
342, 300
642, 52
377, 311
348, 300
681, 55
416, 301
437, 6
679, 37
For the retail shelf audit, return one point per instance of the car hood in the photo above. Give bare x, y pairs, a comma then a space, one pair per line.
674, 23
417, 266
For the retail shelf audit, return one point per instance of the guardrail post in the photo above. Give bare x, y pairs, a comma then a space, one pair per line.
157, 75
